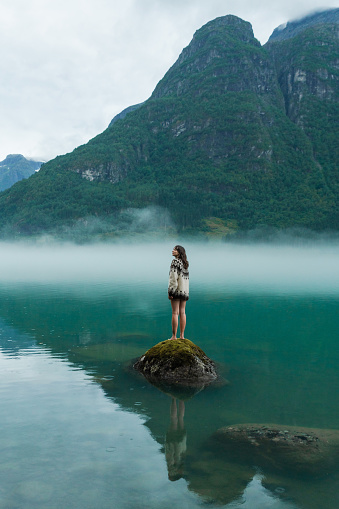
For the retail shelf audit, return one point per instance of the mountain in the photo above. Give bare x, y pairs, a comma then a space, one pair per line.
124, 112
293, 28
14, 168
306, 61
234, 136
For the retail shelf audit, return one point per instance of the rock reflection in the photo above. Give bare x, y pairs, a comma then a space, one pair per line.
256, 496
230, 474
219, 480
215, 479
178, 391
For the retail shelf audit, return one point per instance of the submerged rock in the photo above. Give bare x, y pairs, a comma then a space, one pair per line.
307, 450
177, 362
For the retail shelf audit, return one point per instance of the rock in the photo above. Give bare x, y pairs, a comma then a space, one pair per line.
307, 450
177, 364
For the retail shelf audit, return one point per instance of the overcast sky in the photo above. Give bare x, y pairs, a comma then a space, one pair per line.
69, 66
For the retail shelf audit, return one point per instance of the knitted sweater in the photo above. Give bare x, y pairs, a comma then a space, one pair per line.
178, 284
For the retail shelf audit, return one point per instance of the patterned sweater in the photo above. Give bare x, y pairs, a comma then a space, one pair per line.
178, 284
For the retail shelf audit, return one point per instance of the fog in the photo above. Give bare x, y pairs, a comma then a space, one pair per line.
277, 268
128, 222
142, 222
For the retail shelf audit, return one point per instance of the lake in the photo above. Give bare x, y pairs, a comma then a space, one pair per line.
80, 429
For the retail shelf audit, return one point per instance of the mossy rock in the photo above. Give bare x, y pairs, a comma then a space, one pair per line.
273, 447
177, 361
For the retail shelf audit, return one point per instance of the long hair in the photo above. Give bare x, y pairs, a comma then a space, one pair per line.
182, 256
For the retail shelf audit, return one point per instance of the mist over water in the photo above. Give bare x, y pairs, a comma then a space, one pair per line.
231, 267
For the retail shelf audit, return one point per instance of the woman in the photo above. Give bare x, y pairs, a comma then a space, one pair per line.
178, 289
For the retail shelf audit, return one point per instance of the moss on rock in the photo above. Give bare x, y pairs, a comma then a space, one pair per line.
177, 361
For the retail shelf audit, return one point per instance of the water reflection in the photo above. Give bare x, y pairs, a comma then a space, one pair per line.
256, 496
176, 441
208, 472
86, 409
64, 444
12, 341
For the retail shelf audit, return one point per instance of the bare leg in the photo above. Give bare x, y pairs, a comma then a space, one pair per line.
181, 414
175, 314
182, 314
174, 414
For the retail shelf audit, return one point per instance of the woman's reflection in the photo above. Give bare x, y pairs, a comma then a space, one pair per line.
175, 441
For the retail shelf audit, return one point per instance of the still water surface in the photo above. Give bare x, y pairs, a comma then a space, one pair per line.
79, 429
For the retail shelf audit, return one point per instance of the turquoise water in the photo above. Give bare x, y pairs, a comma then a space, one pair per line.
79, 429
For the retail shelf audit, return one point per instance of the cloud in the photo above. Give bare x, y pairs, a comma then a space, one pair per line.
69, 67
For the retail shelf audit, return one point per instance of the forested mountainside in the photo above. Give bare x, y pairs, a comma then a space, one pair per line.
235, 134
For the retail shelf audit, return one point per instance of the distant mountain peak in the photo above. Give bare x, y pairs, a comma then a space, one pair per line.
16, 167
12, 157
292, 28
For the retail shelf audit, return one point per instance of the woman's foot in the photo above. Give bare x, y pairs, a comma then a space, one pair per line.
173, 337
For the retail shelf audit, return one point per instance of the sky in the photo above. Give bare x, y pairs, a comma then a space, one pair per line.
69, 66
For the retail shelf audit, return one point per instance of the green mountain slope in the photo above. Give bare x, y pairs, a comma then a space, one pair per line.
308, 74
220, 137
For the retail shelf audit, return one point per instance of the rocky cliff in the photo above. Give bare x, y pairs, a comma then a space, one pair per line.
307, 65
222, 57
